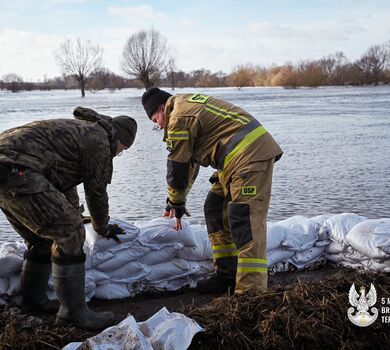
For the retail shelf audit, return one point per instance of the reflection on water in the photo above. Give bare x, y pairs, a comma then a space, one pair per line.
336, 142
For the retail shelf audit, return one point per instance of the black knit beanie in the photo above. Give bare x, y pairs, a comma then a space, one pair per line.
126, 128
154, 98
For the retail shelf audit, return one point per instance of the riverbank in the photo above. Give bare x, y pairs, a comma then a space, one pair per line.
301, 309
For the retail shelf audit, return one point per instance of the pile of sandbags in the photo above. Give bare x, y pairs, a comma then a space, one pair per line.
152, 256
359, 243
295, 242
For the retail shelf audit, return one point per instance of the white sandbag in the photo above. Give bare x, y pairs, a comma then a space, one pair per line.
205, 267
302, 233
170, 270
124, 336
4, 285
202, 250
95, 243
276, 234
322, 243
129, 272
306, 257
376, 265
14, 285
351, 254
161, 231
372, 265
336, 258
278, 255
169, 331
171, 285
163, 331
96, 276
339, 225
96, 258
111, 291
121, 257
371, 238
335, 248
279, 267
164, 254
11, 258
313, 264
353, 265
322, 218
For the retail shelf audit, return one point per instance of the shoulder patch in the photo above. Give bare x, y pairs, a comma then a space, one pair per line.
198, 98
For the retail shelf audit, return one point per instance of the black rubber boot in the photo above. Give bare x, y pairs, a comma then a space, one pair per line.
224, 278
34, 279
217, 284
69, 284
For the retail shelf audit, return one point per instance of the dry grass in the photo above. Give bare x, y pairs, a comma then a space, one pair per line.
304, 316
23, 331
311, 315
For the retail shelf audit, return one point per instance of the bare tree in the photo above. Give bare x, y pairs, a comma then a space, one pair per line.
13, 82
79, 59
372, 63
241, 76
171, 67
146, 56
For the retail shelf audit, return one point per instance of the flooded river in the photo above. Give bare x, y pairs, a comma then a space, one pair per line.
336, 142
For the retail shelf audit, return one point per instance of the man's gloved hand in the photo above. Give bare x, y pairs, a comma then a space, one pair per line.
177, 211
113, 231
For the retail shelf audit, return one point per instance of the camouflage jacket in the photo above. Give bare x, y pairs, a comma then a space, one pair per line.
203, 130
67, 152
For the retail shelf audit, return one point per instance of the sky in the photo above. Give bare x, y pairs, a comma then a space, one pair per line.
216, 35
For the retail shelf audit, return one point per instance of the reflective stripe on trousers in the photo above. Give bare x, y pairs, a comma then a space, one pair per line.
252, 265
224, 251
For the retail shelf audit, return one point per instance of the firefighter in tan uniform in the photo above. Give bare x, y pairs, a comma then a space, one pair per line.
41, 163
203, 130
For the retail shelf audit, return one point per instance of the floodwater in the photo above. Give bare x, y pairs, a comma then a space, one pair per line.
336, 143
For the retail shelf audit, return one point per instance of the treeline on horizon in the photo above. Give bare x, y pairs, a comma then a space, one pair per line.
372, 68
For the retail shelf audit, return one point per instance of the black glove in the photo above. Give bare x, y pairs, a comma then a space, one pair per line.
214, 178
179, 212
180, 209
113, 231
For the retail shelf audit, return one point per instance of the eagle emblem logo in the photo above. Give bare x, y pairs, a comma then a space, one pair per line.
364, 314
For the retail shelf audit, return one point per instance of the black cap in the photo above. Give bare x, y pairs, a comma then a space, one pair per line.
154, 98
126, 128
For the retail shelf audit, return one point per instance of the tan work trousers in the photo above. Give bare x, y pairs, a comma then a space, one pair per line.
236, 212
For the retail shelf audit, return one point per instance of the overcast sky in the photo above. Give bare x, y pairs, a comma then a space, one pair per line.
213, 34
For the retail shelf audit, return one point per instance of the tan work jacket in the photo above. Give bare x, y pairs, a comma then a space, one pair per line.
203, 130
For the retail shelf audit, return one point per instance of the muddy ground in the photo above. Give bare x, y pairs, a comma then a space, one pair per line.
288, 315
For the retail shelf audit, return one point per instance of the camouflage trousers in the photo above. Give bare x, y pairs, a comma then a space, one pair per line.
42, 216
236, 212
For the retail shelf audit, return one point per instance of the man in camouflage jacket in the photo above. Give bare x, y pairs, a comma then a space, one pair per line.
41, 163
203, 130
